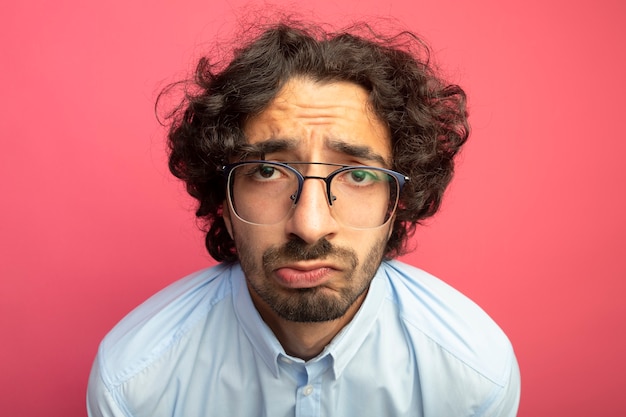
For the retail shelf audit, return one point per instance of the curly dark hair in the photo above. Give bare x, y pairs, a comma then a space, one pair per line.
426, 116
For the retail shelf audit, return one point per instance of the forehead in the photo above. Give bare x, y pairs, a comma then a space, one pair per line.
324, 117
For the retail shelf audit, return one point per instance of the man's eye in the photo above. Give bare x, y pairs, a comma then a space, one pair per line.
362, 176
266, 171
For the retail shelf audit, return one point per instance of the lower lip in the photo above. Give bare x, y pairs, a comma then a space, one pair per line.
298, 278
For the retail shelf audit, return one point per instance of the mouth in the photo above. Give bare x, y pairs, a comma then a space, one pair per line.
304, 276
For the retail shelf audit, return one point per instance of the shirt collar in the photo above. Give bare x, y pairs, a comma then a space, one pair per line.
341, 349
261, 336
350, 339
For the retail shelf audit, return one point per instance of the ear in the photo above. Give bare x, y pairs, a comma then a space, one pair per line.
226, 215
391, 224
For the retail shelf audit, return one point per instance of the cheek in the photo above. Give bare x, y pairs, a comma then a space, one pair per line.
254, 239
363, 241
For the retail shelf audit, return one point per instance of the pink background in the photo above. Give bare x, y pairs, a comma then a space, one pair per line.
533, 228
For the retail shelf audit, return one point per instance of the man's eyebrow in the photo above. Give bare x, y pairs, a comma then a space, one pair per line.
259, 149
357, 151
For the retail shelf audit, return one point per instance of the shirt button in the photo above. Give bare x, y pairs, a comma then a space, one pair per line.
285, 360
308, 390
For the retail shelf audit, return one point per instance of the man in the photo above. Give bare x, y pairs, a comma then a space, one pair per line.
313, 156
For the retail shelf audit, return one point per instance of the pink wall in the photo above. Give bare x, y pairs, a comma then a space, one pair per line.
91, 223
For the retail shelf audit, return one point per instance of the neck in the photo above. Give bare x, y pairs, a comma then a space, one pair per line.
304, 340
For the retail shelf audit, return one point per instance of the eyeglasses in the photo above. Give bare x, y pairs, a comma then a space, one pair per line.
265, 192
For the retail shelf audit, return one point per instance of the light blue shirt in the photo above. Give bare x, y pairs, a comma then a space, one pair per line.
199, 348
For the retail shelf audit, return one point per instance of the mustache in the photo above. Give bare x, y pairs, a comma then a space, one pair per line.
298, 250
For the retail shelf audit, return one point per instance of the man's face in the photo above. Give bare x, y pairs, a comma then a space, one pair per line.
309, 267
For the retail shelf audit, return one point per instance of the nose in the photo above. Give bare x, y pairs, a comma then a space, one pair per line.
311, 219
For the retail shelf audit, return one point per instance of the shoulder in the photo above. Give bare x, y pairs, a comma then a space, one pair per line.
450, 322
158, 323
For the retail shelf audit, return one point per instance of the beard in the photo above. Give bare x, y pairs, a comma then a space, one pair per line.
316, 304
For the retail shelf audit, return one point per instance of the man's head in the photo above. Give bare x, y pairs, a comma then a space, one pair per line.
423, 118
309, 256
